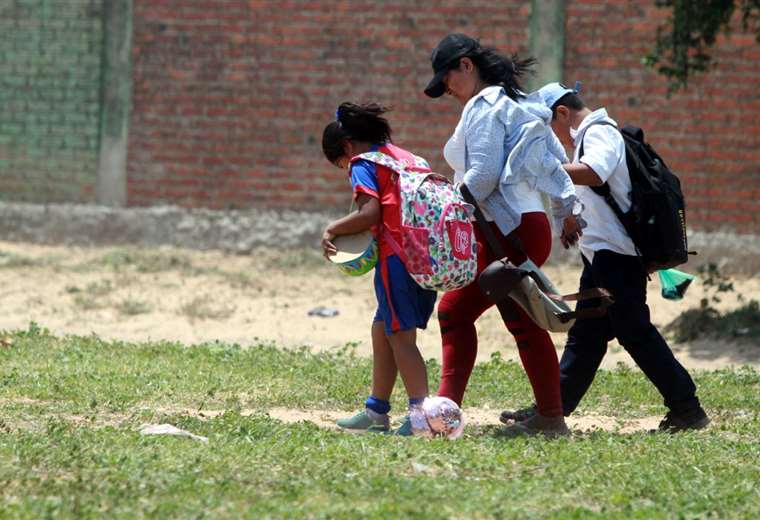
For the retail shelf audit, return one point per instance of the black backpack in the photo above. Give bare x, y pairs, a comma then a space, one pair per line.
656, 221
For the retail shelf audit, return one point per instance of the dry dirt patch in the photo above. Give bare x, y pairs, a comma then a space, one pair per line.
480, 417
194, 297
477, 417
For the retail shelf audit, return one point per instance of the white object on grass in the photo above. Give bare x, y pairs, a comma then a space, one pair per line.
168, 429
323, 312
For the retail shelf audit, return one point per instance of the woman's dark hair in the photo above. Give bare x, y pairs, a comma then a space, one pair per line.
570, 100
355, 123
495, 69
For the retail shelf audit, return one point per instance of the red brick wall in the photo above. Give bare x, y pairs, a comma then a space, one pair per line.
230, 98
709, 134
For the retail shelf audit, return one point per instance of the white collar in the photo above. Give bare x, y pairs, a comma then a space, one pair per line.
600, 114
490, 93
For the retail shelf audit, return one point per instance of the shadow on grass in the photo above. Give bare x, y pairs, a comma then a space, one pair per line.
740, 324
709, 334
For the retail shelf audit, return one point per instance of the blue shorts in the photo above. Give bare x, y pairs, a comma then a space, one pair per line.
401, 303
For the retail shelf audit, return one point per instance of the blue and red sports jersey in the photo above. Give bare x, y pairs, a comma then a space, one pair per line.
379, 182
402, 304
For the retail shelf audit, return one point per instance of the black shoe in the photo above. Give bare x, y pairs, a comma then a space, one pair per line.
694, 419
518, 415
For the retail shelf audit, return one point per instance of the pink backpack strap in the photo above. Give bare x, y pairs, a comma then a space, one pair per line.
410, 162
394, 245
383, 159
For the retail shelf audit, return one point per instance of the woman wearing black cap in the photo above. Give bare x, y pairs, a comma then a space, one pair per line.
503, 151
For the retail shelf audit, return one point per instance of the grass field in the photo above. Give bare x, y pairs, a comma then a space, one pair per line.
69, 447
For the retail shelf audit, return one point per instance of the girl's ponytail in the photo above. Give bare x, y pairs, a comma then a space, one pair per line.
496, 69
356, 123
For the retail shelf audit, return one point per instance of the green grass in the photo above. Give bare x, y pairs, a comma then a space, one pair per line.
70, 407
14, 261
152, 261
144, 261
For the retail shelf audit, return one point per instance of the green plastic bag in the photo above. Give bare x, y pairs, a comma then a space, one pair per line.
674, 283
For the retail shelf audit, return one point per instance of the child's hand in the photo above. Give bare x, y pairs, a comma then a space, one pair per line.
328, 248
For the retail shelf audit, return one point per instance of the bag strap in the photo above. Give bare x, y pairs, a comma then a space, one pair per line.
604, 190
491, 238
586, 294
381, 158
588, 312
385, 232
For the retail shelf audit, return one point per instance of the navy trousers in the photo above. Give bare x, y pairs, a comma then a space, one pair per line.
627, 320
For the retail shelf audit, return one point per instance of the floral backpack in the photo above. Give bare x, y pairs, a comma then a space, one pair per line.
438, 245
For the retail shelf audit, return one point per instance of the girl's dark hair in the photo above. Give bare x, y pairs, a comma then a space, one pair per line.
496, 69
355, 123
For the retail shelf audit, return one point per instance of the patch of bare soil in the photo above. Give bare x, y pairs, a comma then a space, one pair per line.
195, 297
473, 416
480, 417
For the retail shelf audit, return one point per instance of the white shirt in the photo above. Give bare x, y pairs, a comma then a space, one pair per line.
604, 152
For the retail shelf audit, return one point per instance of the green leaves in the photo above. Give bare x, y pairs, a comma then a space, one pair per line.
683, 42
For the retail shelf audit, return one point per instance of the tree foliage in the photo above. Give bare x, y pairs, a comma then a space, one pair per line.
684, 41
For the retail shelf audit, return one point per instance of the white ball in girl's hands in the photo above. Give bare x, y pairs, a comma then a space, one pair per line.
438, 417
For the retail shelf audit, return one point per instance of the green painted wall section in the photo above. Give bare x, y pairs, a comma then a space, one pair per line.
111, 187
547, 41
50, 75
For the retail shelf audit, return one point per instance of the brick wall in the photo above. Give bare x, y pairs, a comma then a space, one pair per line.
230, 97
230, 102
50, 55
709, 135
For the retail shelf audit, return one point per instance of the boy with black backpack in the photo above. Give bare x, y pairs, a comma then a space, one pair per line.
633, 229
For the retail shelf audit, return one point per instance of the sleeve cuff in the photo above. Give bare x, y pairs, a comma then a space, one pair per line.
596, 166
474, 188
366, 191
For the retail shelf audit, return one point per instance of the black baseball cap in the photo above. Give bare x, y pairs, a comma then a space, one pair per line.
449, 50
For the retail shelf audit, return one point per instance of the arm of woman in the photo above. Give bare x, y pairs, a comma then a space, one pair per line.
485, 135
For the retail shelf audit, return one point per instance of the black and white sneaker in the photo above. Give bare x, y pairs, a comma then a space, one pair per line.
694, 419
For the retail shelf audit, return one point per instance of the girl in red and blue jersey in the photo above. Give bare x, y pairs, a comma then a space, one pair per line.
402, 305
